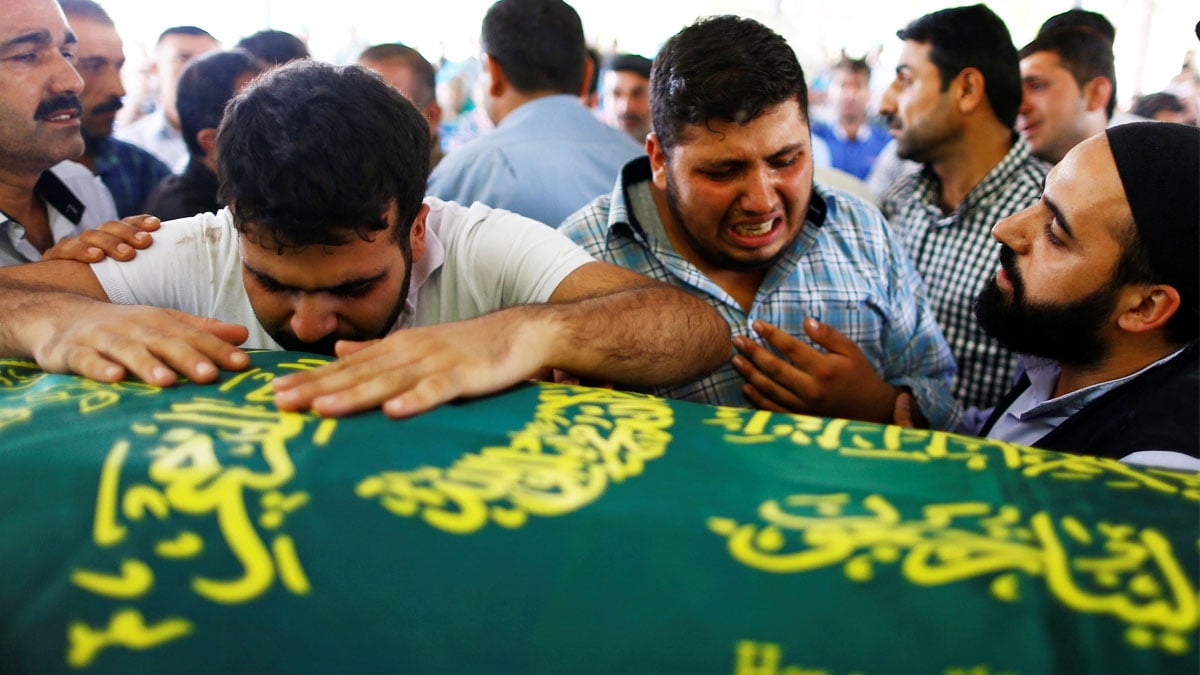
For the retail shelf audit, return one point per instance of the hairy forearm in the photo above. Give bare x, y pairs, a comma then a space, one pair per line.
31, 312
651, 335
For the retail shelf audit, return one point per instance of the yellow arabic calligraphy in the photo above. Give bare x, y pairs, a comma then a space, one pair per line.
579, 441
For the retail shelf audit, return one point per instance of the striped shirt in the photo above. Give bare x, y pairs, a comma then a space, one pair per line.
956, 255
846, 270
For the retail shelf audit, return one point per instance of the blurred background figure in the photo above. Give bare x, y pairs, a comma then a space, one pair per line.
1162, 107
625, 94
854, 142
129, 172
207, 84
405, 69
158, 131
274, 47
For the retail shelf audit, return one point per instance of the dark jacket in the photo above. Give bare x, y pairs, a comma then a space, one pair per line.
1158, 410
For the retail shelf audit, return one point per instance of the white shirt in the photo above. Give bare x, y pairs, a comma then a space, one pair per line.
476, 260
87, 205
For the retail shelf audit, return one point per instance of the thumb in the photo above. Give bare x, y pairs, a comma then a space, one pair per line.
902, 415
344, 348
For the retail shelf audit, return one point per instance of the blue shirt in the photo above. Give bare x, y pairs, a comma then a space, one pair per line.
855, 155
129, 172
545, 160
847, 271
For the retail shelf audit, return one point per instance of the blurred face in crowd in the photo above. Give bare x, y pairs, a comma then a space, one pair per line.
920, 115
400, 76
738, 194
98, 59
850, 92
1054, 294
1053, 107
627, 100
39, 88
171, 56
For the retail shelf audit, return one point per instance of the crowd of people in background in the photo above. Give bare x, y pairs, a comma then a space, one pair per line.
981, 241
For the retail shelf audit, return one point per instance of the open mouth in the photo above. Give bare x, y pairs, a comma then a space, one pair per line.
754, 229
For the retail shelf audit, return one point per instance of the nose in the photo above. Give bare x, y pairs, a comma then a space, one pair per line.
887, 102
66, 79
313, 317
758, 193
1014, 230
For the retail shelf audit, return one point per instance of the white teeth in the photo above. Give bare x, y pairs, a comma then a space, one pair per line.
60, 118
754, 230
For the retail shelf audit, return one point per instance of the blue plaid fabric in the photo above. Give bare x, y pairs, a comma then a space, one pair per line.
849, 272
956, 255
129, 172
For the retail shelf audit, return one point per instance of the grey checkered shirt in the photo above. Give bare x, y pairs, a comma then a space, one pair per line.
956, 255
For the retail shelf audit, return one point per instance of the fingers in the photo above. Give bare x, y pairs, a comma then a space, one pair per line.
828, 337
902, 414
370, 378
772, 383
117, 239
796, 351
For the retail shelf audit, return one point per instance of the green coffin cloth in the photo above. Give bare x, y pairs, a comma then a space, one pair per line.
558, 529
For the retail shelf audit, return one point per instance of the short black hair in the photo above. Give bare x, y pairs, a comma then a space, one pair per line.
538, 43
853, 65
697, 77
273, 47
973, 37
315, 154
86, 9
193, 31
1081, 18
630, 63
1083, 51
1151, 104
205, 87
421, 68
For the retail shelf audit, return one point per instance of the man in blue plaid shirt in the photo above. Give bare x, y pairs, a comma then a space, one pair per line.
827, 312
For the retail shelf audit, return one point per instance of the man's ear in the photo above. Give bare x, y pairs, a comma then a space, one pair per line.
416, 236
658, 161
588, 69
971, 92
1097, 92
1146, 307
497, 80
207, 138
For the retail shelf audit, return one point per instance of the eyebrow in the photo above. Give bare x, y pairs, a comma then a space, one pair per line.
39, 38
1058, 215
342, 288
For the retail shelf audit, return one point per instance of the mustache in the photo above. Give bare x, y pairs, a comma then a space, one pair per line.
111, 105
57, 104
1008, 260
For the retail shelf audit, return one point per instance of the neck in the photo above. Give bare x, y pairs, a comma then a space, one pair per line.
851, 124
19, 202
1121, 361
512, 99
970, 158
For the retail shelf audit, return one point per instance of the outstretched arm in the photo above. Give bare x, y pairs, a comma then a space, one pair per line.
602, 322
57, 313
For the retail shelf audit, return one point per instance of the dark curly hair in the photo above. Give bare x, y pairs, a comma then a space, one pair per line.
698, 77
313, 154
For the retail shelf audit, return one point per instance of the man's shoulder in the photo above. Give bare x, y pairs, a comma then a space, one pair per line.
81, 186
128, 151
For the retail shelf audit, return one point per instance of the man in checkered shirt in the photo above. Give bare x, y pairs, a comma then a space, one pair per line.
952, 107
827, 311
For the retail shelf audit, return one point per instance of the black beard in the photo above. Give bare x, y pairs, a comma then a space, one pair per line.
1069, 333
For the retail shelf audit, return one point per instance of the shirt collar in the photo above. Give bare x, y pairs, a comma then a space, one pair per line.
1043, 376
992, 186
430, 262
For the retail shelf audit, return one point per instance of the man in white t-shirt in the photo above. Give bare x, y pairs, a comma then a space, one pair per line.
328, 246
